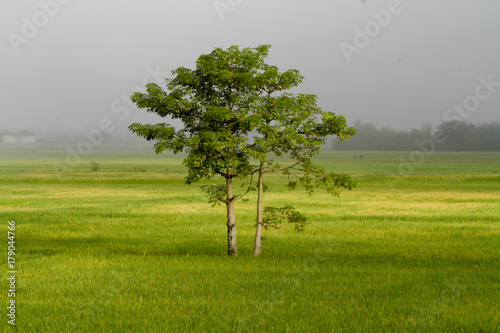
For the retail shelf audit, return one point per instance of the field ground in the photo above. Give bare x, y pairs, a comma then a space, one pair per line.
132, 248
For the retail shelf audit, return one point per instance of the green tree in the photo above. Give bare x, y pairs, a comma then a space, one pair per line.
217, 103
229, 95
490, 136
294, 125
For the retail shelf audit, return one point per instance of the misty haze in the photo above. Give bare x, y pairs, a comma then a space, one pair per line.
81, 65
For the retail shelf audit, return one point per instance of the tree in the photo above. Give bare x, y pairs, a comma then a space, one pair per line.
490, 136
295, 126
460, 136
216, 103
230, 94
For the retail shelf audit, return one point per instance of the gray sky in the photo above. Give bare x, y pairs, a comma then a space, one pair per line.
83, 59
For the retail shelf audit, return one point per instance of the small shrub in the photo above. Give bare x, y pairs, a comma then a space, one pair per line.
139, 169
135, 169
94, 166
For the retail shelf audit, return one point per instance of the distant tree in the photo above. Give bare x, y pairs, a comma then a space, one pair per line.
369, 137
460, 136
457, 136
490, 136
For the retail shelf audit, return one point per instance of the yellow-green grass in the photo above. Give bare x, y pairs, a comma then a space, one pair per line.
132, 248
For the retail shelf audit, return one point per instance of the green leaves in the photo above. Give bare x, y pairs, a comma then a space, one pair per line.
276, 215
214, 102
220, 102
166, 135
216, 193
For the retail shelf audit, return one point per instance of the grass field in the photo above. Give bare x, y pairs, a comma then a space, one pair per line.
131, 248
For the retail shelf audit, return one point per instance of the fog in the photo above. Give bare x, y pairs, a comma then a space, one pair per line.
67, 65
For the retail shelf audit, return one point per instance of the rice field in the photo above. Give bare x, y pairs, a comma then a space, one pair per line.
124, 245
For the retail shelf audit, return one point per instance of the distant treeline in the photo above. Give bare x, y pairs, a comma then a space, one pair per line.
449, 136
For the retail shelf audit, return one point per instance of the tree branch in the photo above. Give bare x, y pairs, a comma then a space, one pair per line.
278, 215
271, 225
237, 197
281, 169
225, 175
291, 174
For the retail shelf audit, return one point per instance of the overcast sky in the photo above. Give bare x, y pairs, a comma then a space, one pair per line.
71, 63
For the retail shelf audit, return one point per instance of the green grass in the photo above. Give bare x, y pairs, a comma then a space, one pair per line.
130, 247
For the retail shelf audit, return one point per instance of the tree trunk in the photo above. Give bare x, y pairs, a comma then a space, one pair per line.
232, 247
260, 223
